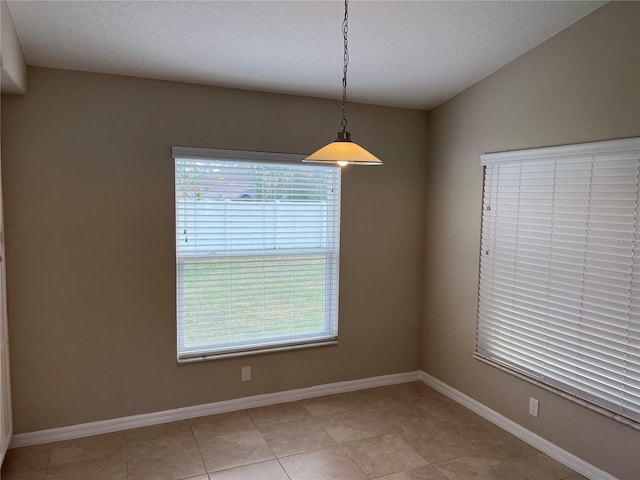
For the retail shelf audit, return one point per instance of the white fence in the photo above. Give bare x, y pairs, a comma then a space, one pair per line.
214, 225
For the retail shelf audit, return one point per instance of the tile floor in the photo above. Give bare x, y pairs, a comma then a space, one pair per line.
400, 432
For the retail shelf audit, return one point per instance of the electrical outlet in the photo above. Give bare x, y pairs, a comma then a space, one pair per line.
533, 407
246, 373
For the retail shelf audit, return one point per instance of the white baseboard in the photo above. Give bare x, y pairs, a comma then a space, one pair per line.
536, 441
155, 418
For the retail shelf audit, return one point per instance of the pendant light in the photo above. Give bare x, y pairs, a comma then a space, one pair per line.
343, 151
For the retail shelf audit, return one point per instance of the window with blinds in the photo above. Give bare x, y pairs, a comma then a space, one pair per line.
559, 294
257, 252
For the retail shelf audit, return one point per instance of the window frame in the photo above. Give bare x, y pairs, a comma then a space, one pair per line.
626, 149
329, 334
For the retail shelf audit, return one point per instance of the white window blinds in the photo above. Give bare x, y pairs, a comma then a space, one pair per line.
559, 296
257, 251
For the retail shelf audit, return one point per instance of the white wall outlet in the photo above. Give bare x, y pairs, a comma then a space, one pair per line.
246, 373
533, 407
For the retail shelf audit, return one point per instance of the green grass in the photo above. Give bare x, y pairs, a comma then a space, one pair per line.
237, 298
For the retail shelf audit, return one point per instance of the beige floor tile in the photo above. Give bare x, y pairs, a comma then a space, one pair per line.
383, 455
269, 470
326, 464
275, 414
428, 472
167, 451
377, 426
234, 450
106, 468
446, 411
296, 437
438, 443
332, 404
167, 458
477, 468
482, 434
221, 424
408, 398
341, 403
29, 475
414, 389
403, 415
350, 426
390, 392
386, 398
27, 458
425, 422
531, 463
166, 433
462, 418
88, 448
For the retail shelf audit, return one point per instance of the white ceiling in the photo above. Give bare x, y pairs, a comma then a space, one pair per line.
414, 54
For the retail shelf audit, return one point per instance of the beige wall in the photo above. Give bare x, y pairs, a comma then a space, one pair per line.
581, 85
88, 191
88, 188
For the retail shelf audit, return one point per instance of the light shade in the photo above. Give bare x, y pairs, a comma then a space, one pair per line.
343, 152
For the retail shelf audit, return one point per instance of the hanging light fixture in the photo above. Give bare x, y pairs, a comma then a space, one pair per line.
343, 151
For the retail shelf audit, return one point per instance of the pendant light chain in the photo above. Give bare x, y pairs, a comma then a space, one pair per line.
343, 151
345, 31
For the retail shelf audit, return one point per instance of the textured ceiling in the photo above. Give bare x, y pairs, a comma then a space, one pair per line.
413, 54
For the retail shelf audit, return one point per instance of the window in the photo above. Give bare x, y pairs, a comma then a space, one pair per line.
257, 252
559, 296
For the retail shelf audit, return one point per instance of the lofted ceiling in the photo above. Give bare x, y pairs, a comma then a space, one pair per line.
413, 54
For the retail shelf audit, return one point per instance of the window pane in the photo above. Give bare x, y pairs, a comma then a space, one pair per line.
253, 300
257, 248
558, 274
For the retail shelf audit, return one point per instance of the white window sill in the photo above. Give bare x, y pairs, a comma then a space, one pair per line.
256, 351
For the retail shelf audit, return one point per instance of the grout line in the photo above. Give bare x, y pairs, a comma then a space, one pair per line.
458, 431
352, 460
204, 464
283, 469
124, 453
246, 411
267, 443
